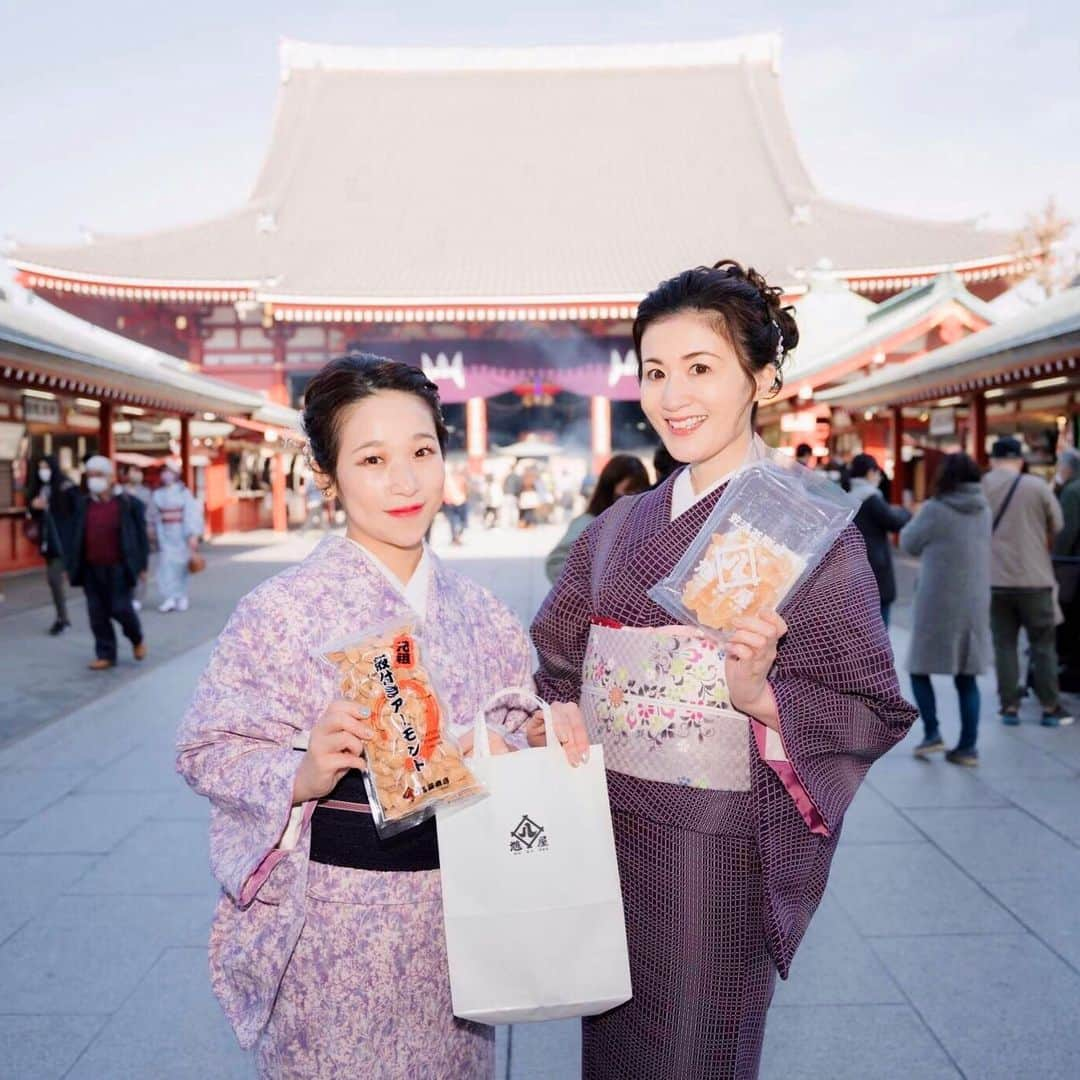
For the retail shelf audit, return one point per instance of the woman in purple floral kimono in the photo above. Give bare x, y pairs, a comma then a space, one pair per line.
327, 949
728, 774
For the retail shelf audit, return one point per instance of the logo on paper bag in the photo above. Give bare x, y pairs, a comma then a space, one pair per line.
527, 836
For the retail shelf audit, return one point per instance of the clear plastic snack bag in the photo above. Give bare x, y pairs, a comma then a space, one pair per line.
414, 764
770, 528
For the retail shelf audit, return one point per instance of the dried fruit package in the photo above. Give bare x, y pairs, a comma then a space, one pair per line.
773, 524
413, 763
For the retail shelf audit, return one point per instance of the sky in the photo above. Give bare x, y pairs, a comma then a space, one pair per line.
118, 116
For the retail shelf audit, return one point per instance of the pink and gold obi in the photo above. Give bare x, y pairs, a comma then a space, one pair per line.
657, 699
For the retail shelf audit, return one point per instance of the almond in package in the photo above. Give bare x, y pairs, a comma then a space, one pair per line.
413, 762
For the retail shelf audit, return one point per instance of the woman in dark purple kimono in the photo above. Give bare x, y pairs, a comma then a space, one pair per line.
729, 774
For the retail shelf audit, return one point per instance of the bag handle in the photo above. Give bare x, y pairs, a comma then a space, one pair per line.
1005, 505
481, 742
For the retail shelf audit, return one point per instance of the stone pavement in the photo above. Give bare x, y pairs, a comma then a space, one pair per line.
947, 945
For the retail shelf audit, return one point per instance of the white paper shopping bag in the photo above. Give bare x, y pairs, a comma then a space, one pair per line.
533, 908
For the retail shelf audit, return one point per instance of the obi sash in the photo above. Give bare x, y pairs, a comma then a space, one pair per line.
657, 699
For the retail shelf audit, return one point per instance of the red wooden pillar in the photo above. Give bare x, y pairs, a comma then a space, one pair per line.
476, 434
278, 511
897, 439
106, 439
187, 469
600, 414
978, 428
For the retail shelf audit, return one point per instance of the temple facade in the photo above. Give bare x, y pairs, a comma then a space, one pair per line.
495, 215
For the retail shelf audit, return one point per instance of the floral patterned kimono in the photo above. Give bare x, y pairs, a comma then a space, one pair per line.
725, 829
332, 971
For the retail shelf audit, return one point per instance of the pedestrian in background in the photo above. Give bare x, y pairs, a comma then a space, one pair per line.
176, 526
1026, 518
1067, 569
109, 551
663, 464
624, 474
876, 519
51, 506
456, 505
950, 633
804, 455
137, 489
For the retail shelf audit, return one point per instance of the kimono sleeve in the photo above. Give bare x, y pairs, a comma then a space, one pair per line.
835, 685
193, 516
235, 746
560, 630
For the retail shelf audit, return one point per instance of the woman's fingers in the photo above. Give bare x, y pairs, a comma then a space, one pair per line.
750, 638
344, 761
570, 731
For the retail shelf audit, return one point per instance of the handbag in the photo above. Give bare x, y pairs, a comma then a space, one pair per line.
530, 882
196, 563
32, 529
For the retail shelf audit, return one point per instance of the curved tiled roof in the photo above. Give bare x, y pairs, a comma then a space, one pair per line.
443, 175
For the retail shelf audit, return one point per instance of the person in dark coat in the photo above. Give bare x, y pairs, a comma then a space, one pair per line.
1067, 547
51, 497
875, 520
109, 553
950, 633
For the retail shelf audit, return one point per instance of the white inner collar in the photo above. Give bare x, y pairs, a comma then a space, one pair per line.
415, 591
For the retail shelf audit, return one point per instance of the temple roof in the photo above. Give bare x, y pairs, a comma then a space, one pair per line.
1044, 340
421, 176
52, 352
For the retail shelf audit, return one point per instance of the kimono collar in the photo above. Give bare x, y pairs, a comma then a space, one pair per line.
415, 591
416, 594
683, 495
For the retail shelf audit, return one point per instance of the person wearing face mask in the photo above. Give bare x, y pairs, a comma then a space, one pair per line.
176, 524
137, 489
51, 493
109, 551
730, 767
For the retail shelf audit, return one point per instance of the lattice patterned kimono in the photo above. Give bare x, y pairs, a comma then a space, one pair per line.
725, 832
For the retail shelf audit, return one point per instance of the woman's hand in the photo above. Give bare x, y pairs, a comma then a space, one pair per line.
335, 746
569, 727
496, 743
751, 653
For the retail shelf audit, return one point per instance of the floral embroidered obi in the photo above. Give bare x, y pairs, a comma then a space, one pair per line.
657, 699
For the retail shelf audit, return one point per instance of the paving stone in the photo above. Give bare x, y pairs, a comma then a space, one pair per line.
169, 1028
997, 843
908, 783
1053, 800
143, 768
546, 1051
85, 954
1049, 907
25, 792
915, 889
81, 824
30, 883
835, 965
851, 1042
1004, 1007
872, 820
43, 1047
162, 857
502, 1035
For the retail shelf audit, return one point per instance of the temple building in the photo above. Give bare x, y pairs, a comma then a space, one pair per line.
495, 215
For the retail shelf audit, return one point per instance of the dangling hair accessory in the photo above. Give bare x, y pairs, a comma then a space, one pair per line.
779, 342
